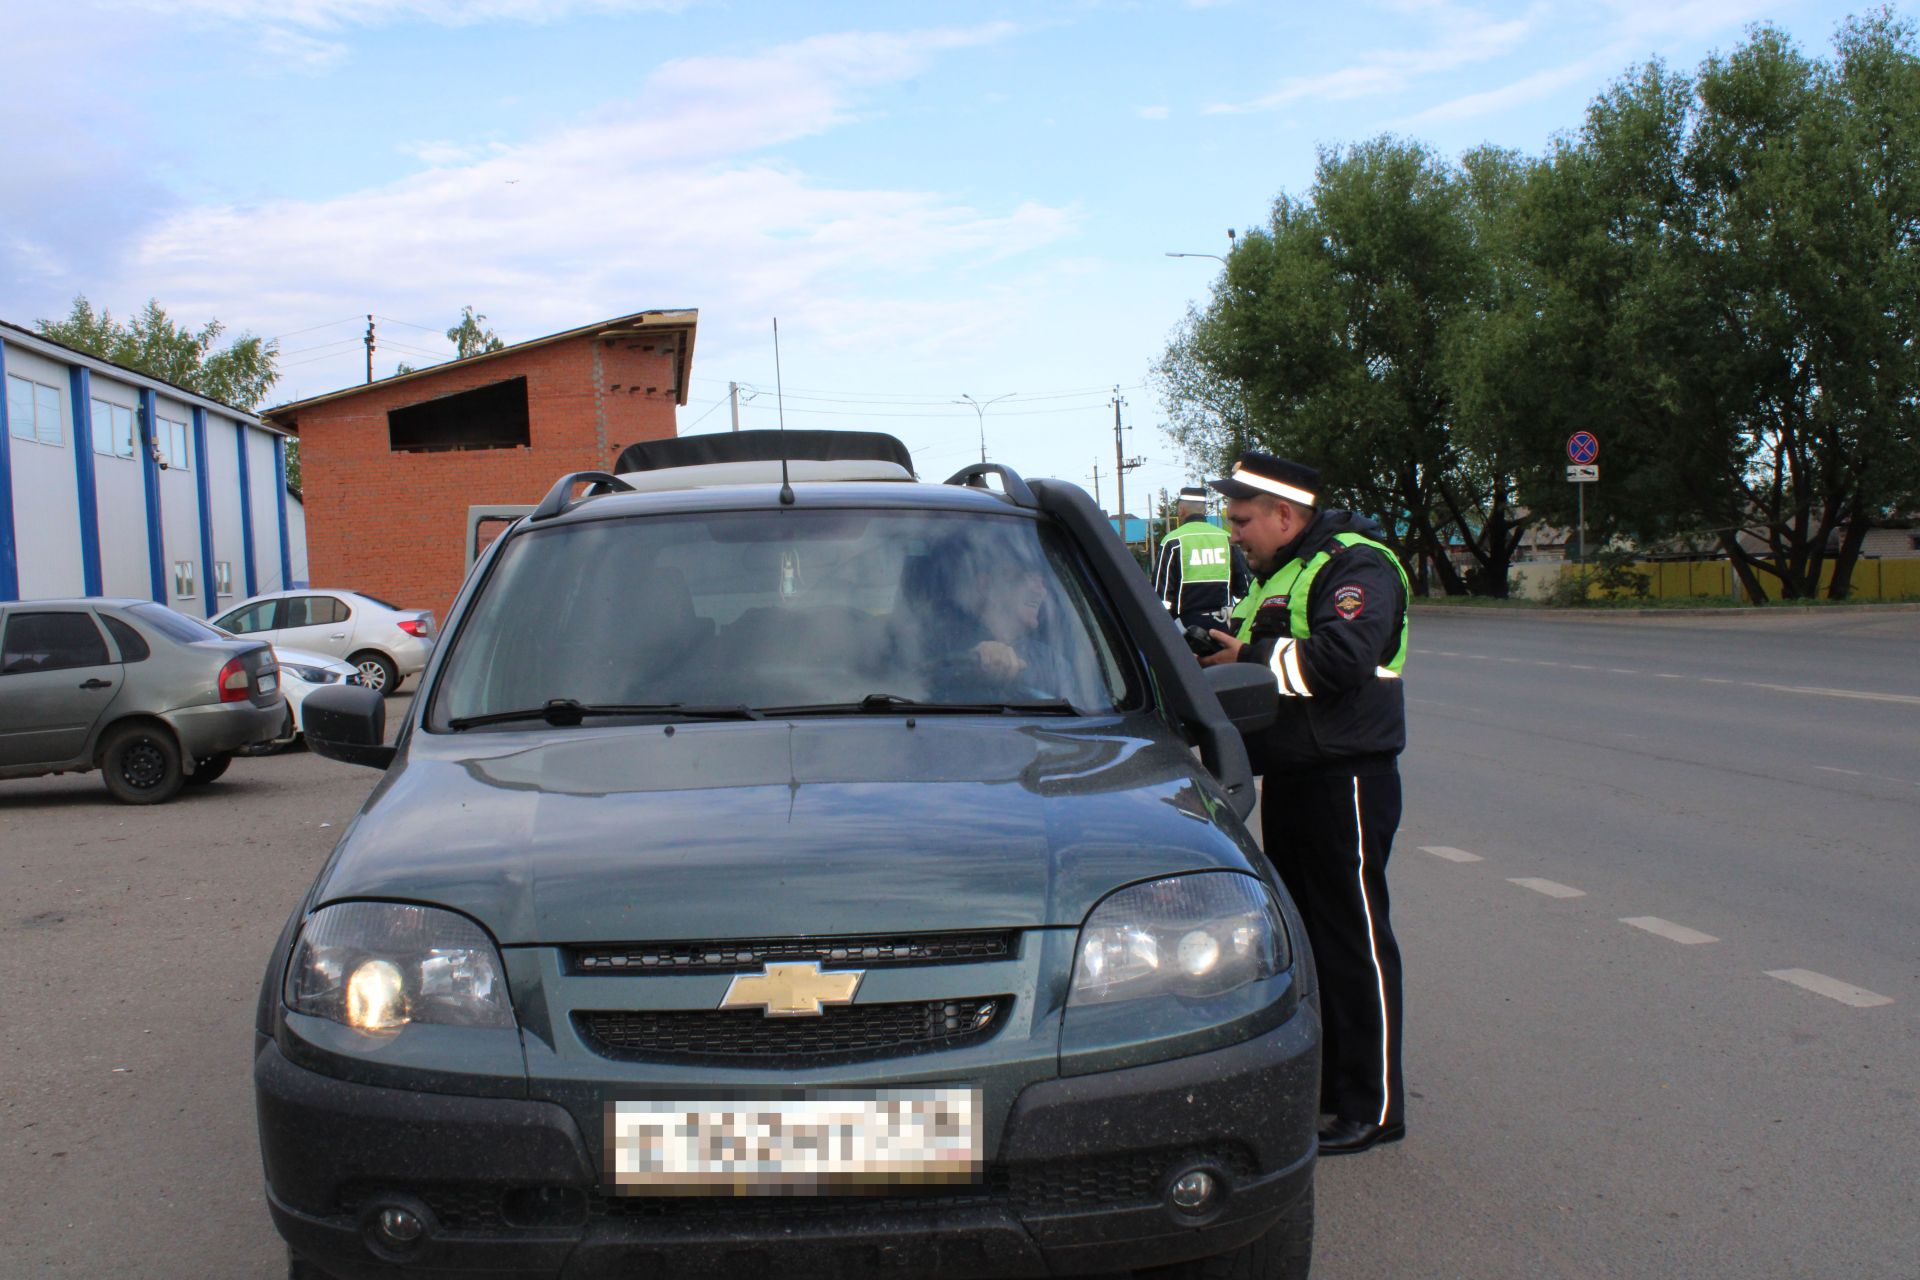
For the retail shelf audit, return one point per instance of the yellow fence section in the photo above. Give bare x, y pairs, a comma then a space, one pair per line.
1690, 579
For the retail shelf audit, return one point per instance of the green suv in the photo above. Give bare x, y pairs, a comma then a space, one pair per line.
832, 878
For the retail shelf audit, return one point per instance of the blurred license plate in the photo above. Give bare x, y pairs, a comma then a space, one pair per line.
840, 1141
269, 683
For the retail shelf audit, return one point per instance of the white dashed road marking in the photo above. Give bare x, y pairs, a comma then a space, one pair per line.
1832, 988
1552, 888
1449, 853
1851, 773
1669, 930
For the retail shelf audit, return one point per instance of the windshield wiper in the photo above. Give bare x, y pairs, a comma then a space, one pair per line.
882, 702
570, 711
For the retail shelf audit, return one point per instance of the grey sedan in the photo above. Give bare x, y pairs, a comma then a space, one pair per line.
150, 697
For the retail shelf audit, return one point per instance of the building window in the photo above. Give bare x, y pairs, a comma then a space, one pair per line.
491, 417
170, 441
183, 578
1913, 541
33, 410
222, 578
112, 429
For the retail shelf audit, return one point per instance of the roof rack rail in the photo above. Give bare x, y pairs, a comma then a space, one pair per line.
560, 497
1013, 488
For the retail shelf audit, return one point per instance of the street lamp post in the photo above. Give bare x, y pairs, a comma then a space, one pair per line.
980, 412
1232, 243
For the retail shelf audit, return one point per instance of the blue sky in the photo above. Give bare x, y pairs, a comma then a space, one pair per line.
935, 199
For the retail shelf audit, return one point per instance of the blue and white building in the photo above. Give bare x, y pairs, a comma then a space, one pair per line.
115, 483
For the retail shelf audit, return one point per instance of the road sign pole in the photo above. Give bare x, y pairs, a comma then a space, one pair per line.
1582, 491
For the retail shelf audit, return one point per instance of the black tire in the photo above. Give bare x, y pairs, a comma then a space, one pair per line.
1285, 1252
205, 771
378, 671
140, 764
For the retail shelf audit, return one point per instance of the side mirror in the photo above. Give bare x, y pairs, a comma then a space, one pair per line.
348, 723
1247, 692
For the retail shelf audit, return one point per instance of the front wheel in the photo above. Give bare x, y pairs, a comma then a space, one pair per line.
205, 771
1285, 1252
377, 671
141, 764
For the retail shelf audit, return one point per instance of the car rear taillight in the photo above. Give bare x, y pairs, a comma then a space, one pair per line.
233, 682
413, 626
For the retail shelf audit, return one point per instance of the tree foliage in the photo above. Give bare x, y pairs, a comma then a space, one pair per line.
239, 374
470, 338
1716, 274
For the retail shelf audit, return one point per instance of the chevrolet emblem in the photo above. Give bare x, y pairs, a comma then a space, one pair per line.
791, 990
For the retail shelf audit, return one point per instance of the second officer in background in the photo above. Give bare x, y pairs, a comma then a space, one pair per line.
1200, 573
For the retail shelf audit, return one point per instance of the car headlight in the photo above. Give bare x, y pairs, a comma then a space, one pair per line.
1195, 935
380, 966
312, 675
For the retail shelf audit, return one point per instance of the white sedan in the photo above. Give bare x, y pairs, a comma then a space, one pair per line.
385, 642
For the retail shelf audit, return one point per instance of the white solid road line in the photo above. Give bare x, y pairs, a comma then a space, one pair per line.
1552, 888
1449, 853
1669, 930
1832, 988
1903, 699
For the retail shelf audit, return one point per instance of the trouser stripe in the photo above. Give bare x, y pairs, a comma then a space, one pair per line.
1373, 950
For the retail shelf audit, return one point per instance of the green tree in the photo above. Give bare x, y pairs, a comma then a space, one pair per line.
1326, 332
238, 374
469, 338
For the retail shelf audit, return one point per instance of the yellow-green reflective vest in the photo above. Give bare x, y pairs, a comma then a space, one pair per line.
1206, 555
1295, 581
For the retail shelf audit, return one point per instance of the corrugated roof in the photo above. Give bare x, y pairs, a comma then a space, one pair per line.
635, 325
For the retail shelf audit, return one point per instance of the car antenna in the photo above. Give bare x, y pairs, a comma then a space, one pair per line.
780, 398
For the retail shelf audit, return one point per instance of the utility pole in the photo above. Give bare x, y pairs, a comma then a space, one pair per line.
733, 394
1096, 482
369, 348
1121, 463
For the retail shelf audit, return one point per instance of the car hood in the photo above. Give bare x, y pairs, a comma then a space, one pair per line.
728, 830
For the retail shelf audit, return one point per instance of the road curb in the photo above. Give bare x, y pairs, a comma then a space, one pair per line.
1577, 614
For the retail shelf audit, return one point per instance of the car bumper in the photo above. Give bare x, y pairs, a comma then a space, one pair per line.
1079, 1184
216, 729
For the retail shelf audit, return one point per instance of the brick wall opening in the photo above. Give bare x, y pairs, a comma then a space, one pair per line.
489, 417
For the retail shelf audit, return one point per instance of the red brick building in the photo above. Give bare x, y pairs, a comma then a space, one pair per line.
389, 469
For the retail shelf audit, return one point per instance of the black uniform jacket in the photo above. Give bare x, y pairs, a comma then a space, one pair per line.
1354, 615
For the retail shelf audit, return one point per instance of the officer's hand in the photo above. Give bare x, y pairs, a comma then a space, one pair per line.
998, 659
1229, 650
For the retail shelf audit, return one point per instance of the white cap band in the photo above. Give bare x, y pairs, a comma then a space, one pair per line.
1274, 487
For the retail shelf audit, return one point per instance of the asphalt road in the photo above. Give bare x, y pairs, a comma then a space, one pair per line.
1590, 1098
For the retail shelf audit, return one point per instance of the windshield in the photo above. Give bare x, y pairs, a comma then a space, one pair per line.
782, 610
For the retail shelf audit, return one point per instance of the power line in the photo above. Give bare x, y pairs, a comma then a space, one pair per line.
310, 328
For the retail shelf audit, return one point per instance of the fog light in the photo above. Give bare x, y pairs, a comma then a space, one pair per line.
1194, 1192
398, 1228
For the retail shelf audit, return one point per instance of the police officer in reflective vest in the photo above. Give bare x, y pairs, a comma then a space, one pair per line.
1328, 613
1199, 574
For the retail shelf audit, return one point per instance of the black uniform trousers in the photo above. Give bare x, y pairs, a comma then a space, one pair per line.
1328, 831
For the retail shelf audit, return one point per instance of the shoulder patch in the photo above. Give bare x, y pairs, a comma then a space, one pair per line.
1349, 601
1275, 602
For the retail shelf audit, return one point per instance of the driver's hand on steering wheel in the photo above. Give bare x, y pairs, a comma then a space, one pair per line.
998, 659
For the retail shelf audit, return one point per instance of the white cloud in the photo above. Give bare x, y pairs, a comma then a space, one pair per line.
649, 203
334, 14
1462, 37
1522, 91
1151, 113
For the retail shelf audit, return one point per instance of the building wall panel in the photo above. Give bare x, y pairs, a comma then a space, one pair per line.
46, 504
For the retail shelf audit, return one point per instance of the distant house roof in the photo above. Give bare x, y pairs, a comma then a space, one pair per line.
54, 349
639, 324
